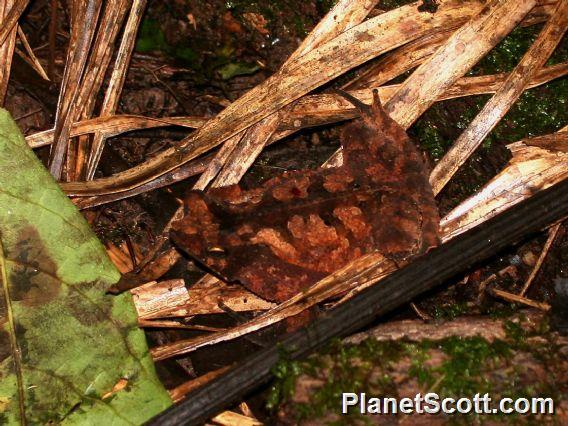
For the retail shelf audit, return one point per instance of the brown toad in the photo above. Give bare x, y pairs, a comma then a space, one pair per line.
280, 238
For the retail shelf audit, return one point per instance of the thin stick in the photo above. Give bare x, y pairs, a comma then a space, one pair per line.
52, 40
515, 298
176, 324
178, 393
552, 233
31, 58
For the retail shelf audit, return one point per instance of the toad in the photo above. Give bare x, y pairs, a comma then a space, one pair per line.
283, 236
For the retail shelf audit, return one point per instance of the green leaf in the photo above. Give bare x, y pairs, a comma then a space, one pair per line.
236, 68
64, 343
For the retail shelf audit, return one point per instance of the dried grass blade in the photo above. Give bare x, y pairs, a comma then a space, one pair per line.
414, 53
116, 83
531, 169
247, 150
504, 98
218, 161
230, 418
310, 111
83, 25
8, 13
12, 10
341, 17
451, 61
203, 298
103, 47
401, 60
115, 125
192, 168
349, 49
30, 56
319, 109
344, 15
366, 269
454, 58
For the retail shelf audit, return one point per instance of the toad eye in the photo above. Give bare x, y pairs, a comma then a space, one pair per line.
216, 251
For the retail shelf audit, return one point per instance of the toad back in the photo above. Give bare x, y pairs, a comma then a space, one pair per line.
283, 236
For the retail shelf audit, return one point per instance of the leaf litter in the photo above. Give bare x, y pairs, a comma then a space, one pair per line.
537, 163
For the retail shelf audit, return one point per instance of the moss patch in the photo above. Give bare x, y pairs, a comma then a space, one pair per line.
452, 367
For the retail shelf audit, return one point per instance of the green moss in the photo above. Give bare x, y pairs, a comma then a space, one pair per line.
431, 140
151, 38
285, 372
439, 127
506, 55
449, 311
515, 332
538, 111
346, 367
499, 311
468, 358
300, 24
462, 372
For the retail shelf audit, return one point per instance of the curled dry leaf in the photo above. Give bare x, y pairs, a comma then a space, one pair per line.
297, 228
